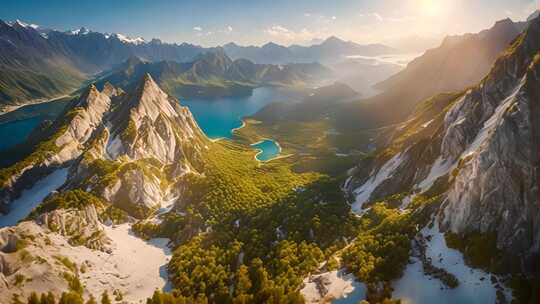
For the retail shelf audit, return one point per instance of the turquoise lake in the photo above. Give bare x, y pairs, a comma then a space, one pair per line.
217, 117
15, 126
268, 149
16, 132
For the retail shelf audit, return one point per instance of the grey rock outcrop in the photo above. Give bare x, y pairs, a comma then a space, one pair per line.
80, 227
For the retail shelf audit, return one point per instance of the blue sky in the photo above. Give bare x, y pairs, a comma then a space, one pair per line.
213, 22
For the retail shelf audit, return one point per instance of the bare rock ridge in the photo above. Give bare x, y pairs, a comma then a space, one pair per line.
151, 141
149, 123
62, 143
478, 149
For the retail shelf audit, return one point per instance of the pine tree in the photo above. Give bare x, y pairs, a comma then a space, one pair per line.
71, 298
91, 300
156, 298
243, 283
258, 275
48, 299
105, 298
33, 298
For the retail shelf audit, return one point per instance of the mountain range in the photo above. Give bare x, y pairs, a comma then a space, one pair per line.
459, 62
330, 50
39, 63
214, 74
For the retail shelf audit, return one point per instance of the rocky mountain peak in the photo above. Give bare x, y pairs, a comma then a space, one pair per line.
503, 22
148, 123
110, 90
145, 129
534, 15
90, 93
150, 101
88, 112
333, 40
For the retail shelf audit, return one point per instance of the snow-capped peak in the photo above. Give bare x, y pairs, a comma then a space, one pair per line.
23, 24
81, 31
126, 39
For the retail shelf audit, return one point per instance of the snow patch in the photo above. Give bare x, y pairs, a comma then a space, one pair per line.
347, 182
31, 198
114, 147
475, 285
135, 267
440, 167
493, 121
80, 31
126, 39
23, 24
405, 202
363, 193
426, 124
339, 285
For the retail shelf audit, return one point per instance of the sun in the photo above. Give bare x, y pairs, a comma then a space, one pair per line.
432, 7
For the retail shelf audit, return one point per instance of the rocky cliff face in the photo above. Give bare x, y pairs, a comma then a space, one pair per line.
61, 143
146, 142
79, 227
150, 124
496, 186
478, 149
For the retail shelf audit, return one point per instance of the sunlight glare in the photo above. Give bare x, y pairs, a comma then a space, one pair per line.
432, 8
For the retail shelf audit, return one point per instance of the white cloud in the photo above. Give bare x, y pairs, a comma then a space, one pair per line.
227, 30
282, 34
197, 28
320, 18
279, 31
375, 16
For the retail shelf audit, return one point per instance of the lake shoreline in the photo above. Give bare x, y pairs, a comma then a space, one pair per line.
11, 108
260, 151
240, 127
